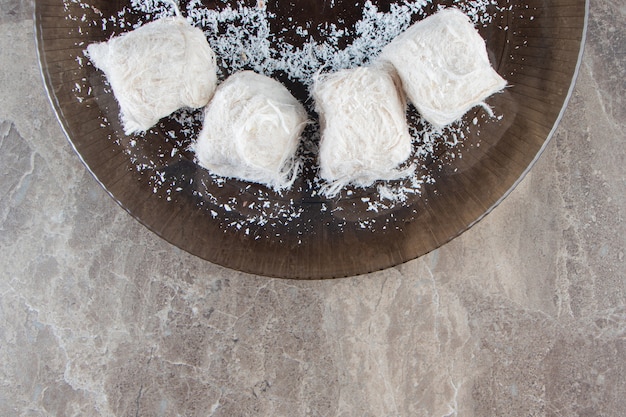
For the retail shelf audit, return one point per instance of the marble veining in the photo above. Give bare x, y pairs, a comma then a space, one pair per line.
523, 315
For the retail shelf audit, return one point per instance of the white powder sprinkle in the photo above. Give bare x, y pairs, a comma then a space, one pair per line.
242, 38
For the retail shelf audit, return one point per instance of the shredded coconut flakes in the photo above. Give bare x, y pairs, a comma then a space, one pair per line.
241, 38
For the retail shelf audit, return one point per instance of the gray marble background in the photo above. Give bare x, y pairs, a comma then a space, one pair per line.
523, 315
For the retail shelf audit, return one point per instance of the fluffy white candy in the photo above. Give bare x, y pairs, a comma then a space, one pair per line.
157, 69
364, 135
251, 131
443, 63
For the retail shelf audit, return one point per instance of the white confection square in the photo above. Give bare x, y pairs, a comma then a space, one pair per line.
157, 69
251, 131
443, 63
364, 133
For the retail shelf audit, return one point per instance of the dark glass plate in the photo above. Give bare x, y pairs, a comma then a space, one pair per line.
467, 169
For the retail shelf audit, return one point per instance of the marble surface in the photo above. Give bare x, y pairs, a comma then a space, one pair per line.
523, 315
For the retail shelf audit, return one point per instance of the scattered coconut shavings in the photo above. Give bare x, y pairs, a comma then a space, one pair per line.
241, 36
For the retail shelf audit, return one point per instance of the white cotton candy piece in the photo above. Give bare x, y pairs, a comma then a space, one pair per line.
443, 64
157, 69
251, 131
364, 133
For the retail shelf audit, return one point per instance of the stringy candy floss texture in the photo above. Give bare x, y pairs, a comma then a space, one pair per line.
251, 131
443, 63
364, 133
157, 69
241, 37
